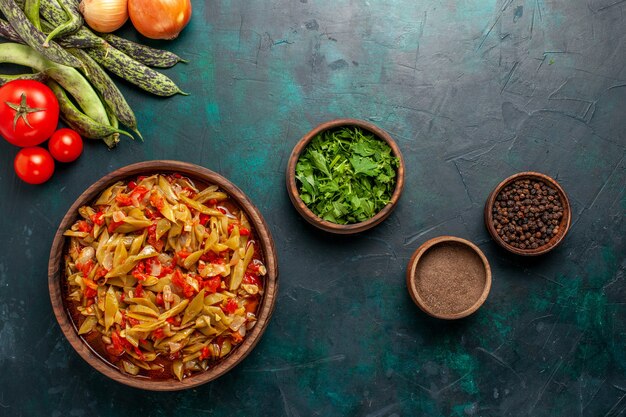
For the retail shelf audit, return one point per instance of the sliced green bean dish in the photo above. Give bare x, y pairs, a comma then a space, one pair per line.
163, 277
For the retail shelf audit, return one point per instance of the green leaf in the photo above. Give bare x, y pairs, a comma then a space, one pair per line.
364, 165
346, 175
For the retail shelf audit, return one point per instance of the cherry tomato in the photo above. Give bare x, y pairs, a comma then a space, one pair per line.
65, 145
29, 112
33, 165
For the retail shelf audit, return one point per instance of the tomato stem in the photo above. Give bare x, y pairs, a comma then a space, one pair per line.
22, 110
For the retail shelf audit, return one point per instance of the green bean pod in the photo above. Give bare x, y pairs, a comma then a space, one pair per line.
31, 10
37, 76
134, 72
107, 89
113, 139
7, 32
52, 12
33, 36
68, 77
82, 38
74, 22
151, 57
82, 123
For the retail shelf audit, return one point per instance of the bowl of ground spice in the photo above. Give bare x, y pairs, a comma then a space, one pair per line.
528, 214
448, 277
345, 176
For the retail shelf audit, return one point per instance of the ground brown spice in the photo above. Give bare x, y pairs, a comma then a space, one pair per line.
450, 277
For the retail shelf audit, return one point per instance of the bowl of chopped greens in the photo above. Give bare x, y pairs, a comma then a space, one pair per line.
345, 176
163, 275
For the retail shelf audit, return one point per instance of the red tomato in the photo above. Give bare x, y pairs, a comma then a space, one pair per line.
34, 165
65, 145
29, 112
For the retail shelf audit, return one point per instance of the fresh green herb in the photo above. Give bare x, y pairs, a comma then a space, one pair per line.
346, 175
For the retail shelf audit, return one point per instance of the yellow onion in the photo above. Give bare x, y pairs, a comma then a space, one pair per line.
159, 19
104, 15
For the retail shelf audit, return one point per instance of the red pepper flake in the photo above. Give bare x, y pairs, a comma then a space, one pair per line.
157, 201
100, 272
166, 270
123, 200
97, 218
151, 214
179, 280
132, 185
212, 202
116, 348
83, 226
231, 306
114, 225
85, 268
141, 178
244, 232
212, 257
138, 292
139, 192
132, 321
204, 353
138, 352
249, 278
231, 226
158, 334
159, 299
182, 254
152, 240
90, 292
211, 285
177, 175
173, 320
221, 210
204, 219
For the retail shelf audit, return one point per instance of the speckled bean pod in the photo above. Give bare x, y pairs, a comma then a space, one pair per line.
7, 32
82, 123
134, 72
151, 57
74, 22
33, 36
68, 77
107, 89
37, 76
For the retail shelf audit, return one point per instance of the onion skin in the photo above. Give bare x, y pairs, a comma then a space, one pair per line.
104, 16
159, 19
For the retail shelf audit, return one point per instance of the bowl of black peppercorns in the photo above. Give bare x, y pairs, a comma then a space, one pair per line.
528, 214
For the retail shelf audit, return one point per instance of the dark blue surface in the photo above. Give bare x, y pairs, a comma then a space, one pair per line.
473, 91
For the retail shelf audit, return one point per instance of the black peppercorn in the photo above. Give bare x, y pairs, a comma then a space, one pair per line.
527, 214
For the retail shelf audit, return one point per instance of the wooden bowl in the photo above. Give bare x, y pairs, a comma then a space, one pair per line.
56, 271
325, 225
563, 225
420, 299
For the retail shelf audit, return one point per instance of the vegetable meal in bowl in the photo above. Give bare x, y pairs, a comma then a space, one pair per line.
163, 276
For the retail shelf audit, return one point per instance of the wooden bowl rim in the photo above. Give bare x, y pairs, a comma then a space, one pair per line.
312, 218
412, 285
564, 225
263, 235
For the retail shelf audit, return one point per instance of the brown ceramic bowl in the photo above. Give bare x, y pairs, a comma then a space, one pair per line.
309, 216
470, 250
563, 225
265, 309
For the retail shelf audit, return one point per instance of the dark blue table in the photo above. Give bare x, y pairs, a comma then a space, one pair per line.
473, 91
